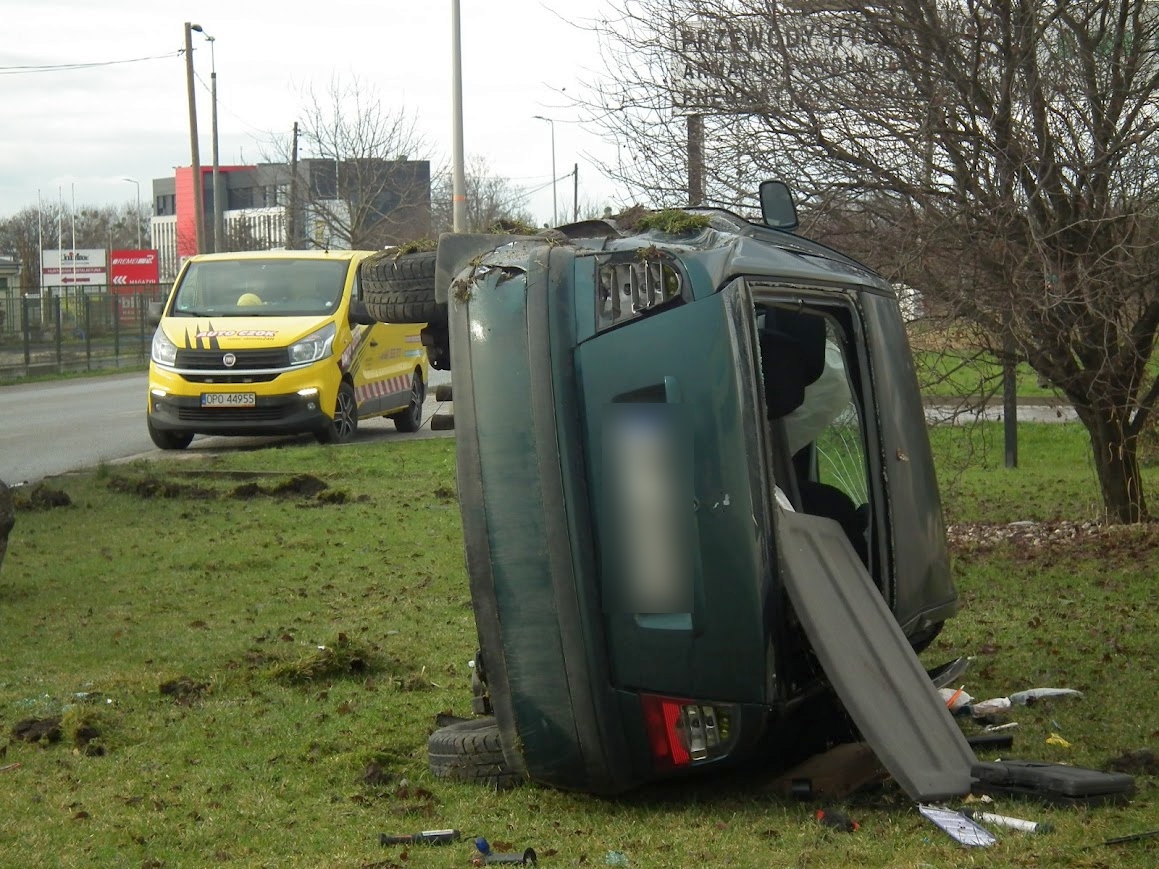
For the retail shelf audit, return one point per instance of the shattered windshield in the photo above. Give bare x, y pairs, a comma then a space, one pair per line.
260, 288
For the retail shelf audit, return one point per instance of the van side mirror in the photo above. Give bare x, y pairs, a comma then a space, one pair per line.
153, 313
360, 314
777, 206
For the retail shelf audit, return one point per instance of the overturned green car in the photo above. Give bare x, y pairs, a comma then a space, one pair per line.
698, 501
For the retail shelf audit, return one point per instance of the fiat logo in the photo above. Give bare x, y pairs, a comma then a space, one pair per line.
228, 360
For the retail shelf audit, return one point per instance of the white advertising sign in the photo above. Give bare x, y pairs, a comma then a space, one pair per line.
67, 268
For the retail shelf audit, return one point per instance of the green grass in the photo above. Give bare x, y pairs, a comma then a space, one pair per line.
257, 752
952, 374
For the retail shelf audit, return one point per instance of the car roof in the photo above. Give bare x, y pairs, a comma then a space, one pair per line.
346, 255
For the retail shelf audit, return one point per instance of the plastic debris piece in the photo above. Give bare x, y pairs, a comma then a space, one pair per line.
958, 827
995, 728
616, 858
837, 821
1007, 821
955, 698
1025, 698
993, 706
1055, 739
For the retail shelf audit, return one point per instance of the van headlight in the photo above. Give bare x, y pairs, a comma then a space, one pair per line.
164, 351
315, 346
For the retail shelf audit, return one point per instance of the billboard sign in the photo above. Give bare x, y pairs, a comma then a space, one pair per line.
68, 268
129, 267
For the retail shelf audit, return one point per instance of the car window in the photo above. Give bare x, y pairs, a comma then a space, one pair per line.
260, 288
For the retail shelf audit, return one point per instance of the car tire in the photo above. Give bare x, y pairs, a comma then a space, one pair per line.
169, 440
342, 427
411, 419
401, 288
470, 751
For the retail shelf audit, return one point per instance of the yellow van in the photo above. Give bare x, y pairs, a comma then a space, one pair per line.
279, 342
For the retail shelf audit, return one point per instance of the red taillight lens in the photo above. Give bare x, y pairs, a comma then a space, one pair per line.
662, 717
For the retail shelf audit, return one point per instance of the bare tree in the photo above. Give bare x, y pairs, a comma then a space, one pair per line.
1001, 154
363, 171
105, 226
491, 199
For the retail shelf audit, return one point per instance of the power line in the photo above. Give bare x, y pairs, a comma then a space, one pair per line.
65, 67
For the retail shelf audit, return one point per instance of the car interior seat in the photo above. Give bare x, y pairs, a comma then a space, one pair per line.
792, 348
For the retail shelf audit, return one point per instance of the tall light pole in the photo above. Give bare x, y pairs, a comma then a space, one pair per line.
218, 205
137, 184
195, 152
458, 178
554, 198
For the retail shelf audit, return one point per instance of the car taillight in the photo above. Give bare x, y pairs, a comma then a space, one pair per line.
685, 732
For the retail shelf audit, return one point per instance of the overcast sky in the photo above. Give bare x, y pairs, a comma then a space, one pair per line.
91, 128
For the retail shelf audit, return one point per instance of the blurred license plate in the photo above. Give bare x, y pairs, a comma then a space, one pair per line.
229, 399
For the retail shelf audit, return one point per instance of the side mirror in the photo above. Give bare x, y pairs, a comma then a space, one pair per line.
153, 313
777, 207
360, 314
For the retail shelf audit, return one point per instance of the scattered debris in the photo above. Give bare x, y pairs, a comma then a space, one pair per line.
425, 837
484, 856
1056, 536
1057, 783
959, 828
837, 821
1133, 837
8, 767
615, 858
1006, 821
834, 775
1055, 739
1032, 696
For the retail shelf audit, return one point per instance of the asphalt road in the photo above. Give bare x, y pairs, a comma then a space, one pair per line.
59, 426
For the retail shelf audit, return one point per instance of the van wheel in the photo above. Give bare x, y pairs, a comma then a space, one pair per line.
470, 751
169, 440
401, 289
410, 419
341, 429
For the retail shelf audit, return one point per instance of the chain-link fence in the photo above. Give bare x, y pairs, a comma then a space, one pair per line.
77, 329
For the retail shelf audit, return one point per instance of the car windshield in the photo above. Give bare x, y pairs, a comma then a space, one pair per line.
260, 288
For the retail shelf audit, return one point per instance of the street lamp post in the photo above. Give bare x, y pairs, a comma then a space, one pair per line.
218, 216
554, 198
137, 184
458, 173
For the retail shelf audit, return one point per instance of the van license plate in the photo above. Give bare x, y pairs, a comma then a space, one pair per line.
229, 399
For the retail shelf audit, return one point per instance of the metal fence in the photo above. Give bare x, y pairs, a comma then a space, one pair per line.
79, 329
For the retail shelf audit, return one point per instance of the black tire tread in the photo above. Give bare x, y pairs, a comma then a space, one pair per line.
470, 751
401, 288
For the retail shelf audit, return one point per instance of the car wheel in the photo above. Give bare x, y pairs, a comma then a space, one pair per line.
470, 751
169, 440
401, 288
411, 418
341, 428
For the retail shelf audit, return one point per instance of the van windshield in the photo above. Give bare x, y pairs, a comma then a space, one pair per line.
260, 288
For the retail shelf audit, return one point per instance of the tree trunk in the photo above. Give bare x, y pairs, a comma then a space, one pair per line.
7, 518
1116, 456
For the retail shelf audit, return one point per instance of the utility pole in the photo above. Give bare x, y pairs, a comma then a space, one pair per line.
198, 203
218, 204
292, 206
695, 160
575, 193
458, 178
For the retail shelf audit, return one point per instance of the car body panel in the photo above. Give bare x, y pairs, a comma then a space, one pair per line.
538, 370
